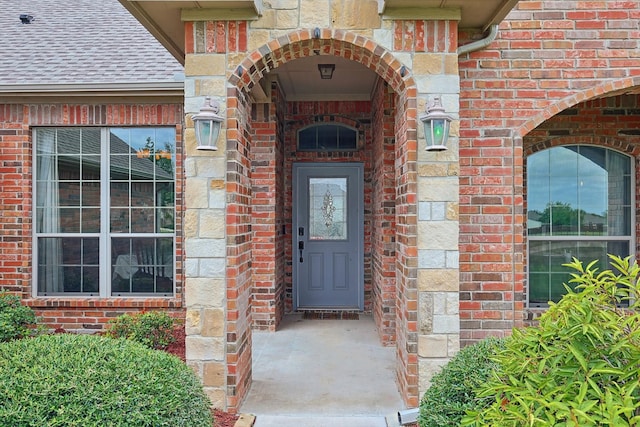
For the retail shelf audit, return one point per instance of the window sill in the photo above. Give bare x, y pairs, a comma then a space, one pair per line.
91, 302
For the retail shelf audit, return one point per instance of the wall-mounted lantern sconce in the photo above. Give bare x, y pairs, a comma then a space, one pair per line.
326, 70
207, 123
436, 125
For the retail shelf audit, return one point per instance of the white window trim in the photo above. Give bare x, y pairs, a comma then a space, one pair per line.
631, 239
104, 237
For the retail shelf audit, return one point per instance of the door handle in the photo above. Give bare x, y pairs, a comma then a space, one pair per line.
301, 248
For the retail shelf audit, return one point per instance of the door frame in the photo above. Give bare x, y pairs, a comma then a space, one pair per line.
297, 167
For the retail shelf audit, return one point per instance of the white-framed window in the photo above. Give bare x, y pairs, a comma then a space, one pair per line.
104, 211
580, 204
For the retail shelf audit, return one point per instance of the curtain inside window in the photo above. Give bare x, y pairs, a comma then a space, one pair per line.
48, 213
618, 186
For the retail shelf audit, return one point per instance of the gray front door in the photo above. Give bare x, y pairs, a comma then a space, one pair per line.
328, 242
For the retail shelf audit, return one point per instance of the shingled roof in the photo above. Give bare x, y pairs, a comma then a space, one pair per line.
79, 42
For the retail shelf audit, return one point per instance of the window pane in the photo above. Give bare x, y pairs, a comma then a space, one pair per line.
307, 139
68, 265
142, 265
119, 220
68, 220
563, 161
142, 220
69, 193
347, 138
327, 137
90, 220
538, 289
547, 273
150, 154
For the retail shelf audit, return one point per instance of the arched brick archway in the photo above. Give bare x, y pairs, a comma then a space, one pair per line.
604, 88
591, 117
248, 264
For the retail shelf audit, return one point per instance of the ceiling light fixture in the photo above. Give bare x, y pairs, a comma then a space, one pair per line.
326, 71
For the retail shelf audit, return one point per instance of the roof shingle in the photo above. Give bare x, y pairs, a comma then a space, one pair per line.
79, 42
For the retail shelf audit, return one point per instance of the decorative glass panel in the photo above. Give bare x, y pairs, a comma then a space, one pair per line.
328, 208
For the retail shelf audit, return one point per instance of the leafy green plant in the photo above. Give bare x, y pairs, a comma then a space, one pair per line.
452, 389
580, 365
16, 320
152, 328
80, 380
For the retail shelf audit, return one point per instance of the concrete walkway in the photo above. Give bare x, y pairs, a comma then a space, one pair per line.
322, 373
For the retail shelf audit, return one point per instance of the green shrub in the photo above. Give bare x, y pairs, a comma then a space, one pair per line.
88, 380
580, 365
452, 389
152, 328
16, 320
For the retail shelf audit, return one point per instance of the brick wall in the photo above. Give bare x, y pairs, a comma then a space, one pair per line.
238, 250
384, 219
548, 57
16, 149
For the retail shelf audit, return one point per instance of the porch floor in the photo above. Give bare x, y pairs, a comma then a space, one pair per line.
325, 370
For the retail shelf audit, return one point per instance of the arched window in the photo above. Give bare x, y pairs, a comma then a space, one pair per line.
579, 204
327, 137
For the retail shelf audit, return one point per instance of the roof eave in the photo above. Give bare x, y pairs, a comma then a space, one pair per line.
167, 92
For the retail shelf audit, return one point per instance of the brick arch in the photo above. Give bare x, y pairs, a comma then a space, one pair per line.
303, 43
607, 88
614, 143
241, 139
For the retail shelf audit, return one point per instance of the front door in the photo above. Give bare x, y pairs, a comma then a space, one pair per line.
328, 242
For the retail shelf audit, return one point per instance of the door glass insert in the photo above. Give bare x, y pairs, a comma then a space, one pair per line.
328, 208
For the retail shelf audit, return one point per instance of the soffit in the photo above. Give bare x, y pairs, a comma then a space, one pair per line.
164, 19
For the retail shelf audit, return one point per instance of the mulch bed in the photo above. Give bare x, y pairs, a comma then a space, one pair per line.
220, 418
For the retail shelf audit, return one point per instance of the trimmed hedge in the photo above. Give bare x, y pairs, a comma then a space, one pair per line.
452, 389
87, 380
153, 329
16, 319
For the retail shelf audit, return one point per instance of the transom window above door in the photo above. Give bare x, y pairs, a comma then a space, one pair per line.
328, 137
579, 204
104, 211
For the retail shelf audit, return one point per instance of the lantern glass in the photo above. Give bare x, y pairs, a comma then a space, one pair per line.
207, 126
434, 132
436, 126
207, 132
